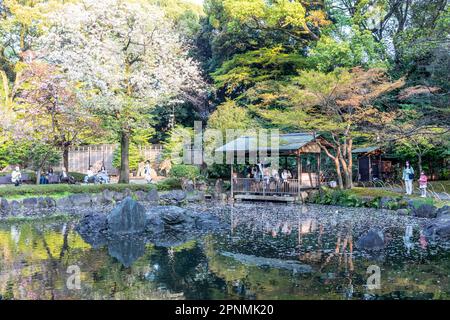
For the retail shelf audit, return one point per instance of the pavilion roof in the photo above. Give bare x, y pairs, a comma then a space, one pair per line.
287, 142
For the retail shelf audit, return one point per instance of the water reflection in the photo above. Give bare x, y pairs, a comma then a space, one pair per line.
256, 259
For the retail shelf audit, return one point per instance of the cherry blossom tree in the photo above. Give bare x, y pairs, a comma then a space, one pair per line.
126, 57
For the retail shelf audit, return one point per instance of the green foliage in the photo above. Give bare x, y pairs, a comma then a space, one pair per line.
43, 155
180, 171
52, 189
135, 157
179, 137
168, 184
358, 48
12, 153
229, 116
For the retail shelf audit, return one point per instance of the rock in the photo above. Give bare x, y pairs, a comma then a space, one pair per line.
189, 186
152, 196
64, 203
107, 196
198, 196
218, 186
171, 215
30, 203
174, 196
372, 240
202, 186
118, 196
81, 200
4, 207
92, 228
403, 212
140, 195
442, 211
385, 202
439, 228
127, 217
45, 203
51, 203
15, 207
424, 211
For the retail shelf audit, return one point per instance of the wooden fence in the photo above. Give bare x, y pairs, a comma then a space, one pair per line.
80, 158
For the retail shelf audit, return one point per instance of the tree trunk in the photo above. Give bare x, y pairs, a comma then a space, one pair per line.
124, 157
66, 156
38, 176
419, 162
339, 173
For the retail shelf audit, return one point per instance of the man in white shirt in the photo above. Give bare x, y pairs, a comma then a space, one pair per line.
16, 177
90, 175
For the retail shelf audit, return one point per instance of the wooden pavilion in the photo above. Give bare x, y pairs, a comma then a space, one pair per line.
298, 153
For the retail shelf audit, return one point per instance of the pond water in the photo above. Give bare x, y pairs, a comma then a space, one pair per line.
269, 252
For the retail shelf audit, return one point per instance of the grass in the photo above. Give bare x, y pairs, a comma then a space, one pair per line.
439, 186
62, 190
373, 192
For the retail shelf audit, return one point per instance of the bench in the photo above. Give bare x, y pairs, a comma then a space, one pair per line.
7, 178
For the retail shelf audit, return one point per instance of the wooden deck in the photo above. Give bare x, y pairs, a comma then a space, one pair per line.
289, 190
265, 198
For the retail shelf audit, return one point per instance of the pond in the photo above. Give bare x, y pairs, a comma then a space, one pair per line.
268, 252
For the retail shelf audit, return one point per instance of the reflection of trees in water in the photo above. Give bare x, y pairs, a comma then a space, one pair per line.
34, 258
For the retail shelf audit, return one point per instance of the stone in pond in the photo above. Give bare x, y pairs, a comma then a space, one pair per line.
372, 240
93, 228
128, 217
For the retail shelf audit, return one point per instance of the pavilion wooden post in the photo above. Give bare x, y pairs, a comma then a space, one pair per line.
231, 180
299, 175
318, 170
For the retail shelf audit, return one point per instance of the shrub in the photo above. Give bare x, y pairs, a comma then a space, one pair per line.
185, 171
168, 184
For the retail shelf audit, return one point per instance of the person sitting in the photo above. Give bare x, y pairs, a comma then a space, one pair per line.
90, 177
16, 177
65, 178
44, 178
102, 175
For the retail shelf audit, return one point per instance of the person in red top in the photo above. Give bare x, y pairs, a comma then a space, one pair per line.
423, 184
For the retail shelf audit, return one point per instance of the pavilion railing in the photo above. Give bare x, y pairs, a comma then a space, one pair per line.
272, 187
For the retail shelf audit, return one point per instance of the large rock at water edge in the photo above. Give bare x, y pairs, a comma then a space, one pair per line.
424, 211
174, 196
372, 240
439, 228
128, 217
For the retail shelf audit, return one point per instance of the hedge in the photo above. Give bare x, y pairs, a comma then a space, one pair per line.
50, 189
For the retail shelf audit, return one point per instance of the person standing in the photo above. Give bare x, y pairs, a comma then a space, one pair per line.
147, 172
16, 177
423, 181
408, 177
